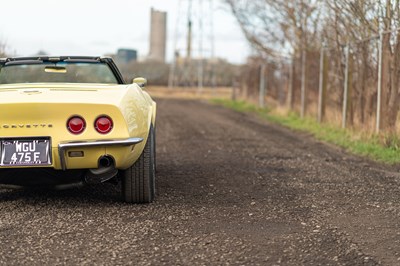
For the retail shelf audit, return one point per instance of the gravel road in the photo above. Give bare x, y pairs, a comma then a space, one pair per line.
232, 190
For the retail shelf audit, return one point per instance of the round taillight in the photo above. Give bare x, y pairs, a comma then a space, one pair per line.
103, 124
76, 125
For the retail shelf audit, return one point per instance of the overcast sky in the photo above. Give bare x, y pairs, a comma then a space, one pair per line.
97, 27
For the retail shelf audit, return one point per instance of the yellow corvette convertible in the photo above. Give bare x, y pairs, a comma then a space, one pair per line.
67, 120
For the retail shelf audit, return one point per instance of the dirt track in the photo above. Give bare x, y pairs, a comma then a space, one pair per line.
232, 189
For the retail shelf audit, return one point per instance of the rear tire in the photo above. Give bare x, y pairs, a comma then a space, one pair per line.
154, 149
138, 181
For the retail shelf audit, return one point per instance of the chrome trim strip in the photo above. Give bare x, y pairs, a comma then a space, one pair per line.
62, 147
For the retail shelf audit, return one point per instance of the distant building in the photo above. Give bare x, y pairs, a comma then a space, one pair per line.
41, 52
126, 55
158, 35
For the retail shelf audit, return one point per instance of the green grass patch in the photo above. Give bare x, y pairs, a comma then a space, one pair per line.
368, 145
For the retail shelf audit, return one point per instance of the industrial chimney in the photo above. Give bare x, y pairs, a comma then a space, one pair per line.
158, 35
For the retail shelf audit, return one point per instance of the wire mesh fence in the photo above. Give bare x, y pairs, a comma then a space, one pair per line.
349, 85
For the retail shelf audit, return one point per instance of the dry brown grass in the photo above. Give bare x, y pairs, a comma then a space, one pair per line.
190, 93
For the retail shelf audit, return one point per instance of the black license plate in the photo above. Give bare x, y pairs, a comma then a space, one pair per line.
25, 152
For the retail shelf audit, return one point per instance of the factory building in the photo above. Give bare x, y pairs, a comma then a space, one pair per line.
126, 55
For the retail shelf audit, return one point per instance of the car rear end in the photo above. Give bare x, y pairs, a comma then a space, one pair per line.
75, 115
70, 128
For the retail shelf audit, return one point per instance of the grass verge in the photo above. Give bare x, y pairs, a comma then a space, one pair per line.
358, 143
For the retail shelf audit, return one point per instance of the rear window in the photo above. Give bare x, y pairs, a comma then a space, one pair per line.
60, 72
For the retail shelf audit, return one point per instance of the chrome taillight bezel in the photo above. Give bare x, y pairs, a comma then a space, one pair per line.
100, 130
76, 131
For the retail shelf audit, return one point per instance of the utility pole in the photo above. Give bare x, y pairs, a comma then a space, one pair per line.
189, 32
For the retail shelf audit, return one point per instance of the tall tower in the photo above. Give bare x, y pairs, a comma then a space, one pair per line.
158, 35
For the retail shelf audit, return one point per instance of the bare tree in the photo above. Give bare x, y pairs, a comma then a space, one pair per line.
350, 22
289, 27
278, 27
281, 28
361, 19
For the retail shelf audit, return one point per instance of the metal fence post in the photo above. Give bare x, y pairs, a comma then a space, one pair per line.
303, 84
234, 87
346, 86
290, 87
379, 88
262, 86
321, 84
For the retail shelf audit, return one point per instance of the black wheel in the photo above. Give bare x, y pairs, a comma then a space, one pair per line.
154, 148
138, 181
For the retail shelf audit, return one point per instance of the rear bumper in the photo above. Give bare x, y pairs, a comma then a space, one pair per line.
63, 147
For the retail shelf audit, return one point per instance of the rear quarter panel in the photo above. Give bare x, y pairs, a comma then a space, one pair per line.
138, 110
